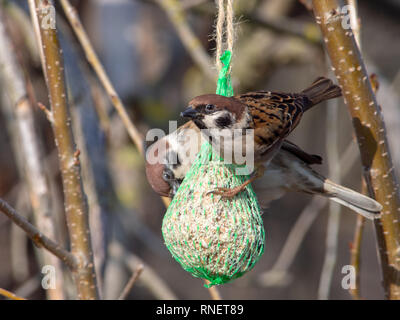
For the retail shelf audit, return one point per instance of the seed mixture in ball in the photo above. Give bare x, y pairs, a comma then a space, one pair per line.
212, 237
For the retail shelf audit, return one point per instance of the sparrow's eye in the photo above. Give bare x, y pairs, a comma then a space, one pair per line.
210, 107
167, 175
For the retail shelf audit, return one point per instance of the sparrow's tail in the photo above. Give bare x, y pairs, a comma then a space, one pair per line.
361, 204
321, 89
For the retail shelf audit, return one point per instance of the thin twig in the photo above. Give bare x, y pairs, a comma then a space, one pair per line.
28, 287
332, 233
370, 130
37, 237
214, 293
19, 256
149, 277
131, 282
355, 254
10, 295
94, 61
75, 200
46, 112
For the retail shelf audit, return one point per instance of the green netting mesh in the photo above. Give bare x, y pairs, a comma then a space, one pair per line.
212, 237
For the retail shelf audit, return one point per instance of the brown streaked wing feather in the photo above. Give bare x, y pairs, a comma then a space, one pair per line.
275, 114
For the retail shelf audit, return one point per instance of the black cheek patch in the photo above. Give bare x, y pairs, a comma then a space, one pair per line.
223, 122
200, 124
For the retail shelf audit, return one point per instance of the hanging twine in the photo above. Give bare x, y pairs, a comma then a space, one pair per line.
229, 25
224, 20
213, 238
219, 34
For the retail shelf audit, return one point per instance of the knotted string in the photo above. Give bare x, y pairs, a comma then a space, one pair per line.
223, 60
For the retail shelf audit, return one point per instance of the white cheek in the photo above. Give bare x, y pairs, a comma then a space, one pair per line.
209, 120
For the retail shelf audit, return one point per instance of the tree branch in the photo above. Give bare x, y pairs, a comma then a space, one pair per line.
149, 277
214, 293
332, 232
370, 130
131, 282
75, 202
29, 147
38, 237
9, 295
355, 255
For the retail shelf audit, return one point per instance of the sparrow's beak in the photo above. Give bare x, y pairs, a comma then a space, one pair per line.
189, 112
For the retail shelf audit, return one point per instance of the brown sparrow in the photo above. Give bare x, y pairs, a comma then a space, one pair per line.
269, 116
288, 170
272, 115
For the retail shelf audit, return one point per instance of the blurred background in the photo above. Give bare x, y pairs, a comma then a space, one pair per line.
277, 47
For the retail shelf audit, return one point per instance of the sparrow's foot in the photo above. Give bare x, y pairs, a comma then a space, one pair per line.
228, 193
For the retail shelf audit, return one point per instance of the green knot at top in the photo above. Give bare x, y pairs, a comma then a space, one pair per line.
224, 84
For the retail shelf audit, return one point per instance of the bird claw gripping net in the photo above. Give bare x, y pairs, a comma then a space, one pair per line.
212, 237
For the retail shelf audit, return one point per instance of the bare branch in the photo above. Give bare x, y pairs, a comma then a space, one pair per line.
9, 295
355, 248
149, 277
131, 282
370, 129
46, 111
28, 146
214, 293
75, 202
332, 233
355, 255
38, 237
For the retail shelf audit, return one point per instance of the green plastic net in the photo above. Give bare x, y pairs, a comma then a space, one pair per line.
214, 238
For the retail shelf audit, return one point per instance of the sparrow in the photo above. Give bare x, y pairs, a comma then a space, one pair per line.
270, 116
289, 170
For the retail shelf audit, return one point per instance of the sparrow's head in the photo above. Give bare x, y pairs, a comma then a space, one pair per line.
212, 111
161, 164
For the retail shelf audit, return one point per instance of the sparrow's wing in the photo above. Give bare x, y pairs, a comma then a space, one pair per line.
301, 154
274, 114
